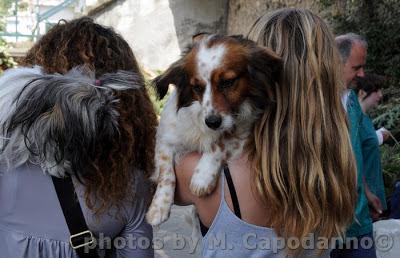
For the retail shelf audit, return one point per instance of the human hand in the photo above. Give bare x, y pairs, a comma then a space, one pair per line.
385, 134
375, 205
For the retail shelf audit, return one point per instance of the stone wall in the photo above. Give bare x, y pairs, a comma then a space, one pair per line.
159, 30
243, 13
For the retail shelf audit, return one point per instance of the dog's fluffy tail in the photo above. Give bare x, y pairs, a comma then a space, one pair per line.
57, 120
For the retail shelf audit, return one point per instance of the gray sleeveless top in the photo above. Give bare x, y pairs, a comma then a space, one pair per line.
32, 224
229, 236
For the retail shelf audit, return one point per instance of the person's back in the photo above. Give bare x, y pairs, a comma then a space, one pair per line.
369, 95
32, 224
227, 231
353, 52
88, 124
296, 174
363, 223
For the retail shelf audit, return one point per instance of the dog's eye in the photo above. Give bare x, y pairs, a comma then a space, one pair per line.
197, 89
224, 84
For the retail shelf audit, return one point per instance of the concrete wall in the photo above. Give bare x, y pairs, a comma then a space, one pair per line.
243, 13
158, 30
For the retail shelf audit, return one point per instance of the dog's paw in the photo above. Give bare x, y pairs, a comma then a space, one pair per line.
202, 184
157, 214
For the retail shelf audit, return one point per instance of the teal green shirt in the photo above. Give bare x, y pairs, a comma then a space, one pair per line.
372, 159
362, 223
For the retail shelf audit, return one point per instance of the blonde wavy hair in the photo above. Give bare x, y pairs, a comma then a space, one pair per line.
301, 154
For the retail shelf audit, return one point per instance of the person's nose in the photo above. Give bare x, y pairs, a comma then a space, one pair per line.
360, 72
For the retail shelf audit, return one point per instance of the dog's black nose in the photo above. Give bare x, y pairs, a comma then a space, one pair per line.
213, 121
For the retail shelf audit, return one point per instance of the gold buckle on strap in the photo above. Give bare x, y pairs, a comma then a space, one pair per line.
80, 234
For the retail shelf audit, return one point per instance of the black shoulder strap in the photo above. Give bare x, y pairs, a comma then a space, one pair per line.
232, 191
203, 228
81, 236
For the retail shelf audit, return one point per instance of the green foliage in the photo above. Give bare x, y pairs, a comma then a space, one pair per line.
388, 113
390, 159
23, 6
379, 22
6, 61
158, 104
5, 6
389, 117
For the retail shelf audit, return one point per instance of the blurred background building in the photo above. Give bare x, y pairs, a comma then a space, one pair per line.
159, 30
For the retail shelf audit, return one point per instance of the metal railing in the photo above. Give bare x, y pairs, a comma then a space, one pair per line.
40, 17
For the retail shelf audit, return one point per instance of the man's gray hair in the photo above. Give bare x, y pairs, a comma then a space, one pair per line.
345, 43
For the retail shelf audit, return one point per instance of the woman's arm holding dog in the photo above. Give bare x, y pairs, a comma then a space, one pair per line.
206, 206
184, 170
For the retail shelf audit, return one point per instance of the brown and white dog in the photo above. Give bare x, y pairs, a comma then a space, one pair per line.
223, 84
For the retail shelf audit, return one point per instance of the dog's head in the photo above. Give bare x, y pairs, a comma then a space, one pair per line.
229, 77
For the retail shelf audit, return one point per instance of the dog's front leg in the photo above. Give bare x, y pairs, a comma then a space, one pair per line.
165, 177
206, 173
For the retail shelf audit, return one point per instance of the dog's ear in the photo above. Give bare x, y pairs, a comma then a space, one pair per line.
237, 37
267, 62
265, 71
175, 75
265, 68
199, 36
178, 76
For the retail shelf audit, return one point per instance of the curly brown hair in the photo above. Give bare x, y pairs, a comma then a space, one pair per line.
111, 173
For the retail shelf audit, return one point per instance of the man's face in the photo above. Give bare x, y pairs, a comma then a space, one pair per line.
354, 65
